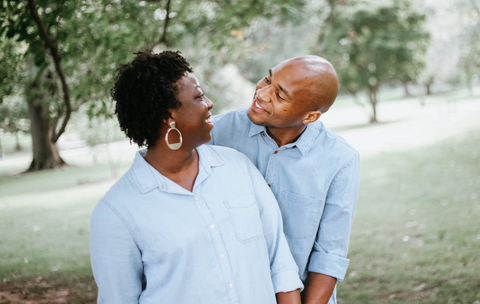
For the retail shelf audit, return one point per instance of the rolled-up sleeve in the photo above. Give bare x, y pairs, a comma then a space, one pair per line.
284, 270
329, 255
116, 260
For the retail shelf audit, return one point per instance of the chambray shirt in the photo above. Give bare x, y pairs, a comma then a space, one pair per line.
315, 181
153, 241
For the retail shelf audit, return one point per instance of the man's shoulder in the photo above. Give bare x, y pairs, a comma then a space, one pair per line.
231, 129
236, 117
334, 143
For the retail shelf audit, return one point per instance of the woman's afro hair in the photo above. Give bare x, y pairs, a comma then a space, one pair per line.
145, 91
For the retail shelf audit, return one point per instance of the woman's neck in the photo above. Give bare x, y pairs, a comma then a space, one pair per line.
180, 166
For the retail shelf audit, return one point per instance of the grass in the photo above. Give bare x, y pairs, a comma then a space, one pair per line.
44, 222
416, 234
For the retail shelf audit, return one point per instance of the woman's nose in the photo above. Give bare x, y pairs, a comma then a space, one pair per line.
209, 103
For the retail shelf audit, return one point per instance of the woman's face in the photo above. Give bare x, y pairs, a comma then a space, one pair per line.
193, 117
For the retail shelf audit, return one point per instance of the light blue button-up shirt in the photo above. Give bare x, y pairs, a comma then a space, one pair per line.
153, 241
315, 181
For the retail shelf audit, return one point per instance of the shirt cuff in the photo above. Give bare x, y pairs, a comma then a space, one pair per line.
328, 264
286, 281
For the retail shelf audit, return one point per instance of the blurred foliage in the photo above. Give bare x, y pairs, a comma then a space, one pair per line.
371, 44
469, 39
13, 115
86, 41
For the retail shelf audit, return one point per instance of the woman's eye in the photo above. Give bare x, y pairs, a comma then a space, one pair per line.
267, 80
280, 96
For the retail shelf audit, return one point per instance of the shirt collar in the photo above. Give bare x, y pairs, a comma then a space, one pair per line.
304, 143
148, 178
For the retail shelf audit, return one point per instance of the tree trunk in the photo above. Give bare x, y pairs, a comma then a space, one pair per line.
44, 151
406, 90
428, 86
372, 96
421, 95
18, 147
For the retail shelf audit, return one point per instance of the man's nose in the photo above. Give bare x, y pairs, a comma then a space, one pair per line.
263, 94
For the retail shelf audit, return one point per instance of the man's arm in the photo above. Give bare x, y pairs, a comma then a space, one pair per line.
291, 297
328, 262
318, 288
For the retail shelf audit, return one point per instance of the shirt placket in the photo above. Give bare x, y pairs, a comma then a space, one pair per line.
219, 247
272, 165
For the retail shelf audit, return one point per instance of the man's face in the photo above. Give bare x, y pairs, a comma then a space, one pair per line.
284, 96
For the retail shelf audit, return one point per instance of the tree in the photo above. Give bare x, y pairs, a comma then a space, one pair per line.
372, 44
469, 39
72, 49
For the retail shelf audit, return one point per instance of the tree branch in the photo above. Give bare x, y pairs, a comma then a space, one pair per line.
52, 48
165, 26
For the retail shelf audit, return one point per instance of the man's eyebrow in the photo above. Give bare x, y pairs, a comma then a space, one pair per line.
280, 86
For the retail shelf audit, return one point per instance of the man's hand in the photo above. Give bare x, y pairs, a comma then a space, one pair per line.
318, 288
291, 297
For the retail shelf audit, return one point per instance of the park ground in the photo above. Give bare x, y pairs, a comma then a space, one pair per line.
416, 232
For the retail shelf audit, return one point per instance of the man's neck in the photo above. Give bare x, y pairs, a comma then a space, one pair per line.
284, 136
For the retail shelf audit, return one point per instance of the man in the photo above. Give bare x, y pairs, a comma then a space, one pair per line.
313, 173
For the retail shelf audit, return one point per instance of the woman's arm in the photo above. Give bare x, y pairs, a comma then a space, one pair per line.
284, 271
116, 260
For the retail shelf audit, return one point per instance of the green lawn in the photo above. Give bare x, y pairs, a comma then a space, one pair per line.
416, 234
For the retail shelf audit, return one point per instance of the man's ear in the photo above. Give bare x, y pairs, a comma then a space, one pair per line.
311, 116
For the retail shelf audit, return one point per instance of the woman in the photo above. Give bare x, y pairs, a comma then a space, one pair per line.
188, 223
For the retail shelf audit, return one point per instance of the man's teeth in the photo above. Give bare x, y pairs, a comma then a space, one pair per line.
209, 120
259, 106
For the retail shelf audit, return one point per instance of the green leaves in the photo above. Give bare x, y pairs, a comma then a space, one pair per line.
390, 38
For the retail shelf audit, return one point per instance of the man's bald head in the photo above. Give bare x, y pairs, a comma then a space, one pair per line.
294, 93
320, 78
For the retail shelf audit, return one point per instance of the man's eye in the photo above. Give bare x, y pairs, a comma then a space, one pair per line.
280, 96
201, 96
267, 80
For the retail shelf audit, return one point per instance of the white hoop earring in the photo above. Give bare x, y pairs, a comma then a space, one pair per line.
174, 146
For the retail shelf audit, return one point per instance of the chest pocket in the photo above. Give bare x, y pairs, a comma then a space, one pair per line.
245, 218
300, 215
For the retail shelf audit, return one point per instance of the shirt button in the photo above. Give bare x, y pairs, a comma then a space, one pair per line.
222, 255
269, 185
230, 285
212, 226
275, 152
197, 198
294, 147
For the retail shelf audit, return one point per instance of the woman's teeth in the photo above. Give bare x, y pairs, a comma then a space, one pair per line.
258, 106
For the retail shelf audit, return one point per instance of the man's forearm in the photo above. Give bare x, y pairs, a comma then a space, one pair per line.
318, 288
291, 297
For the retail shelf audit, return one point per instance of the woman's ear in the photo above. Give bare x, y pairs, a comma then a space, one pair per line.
311, 116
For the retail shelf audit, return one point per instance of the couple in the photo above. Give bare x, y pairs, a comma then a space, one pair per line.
191, 223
